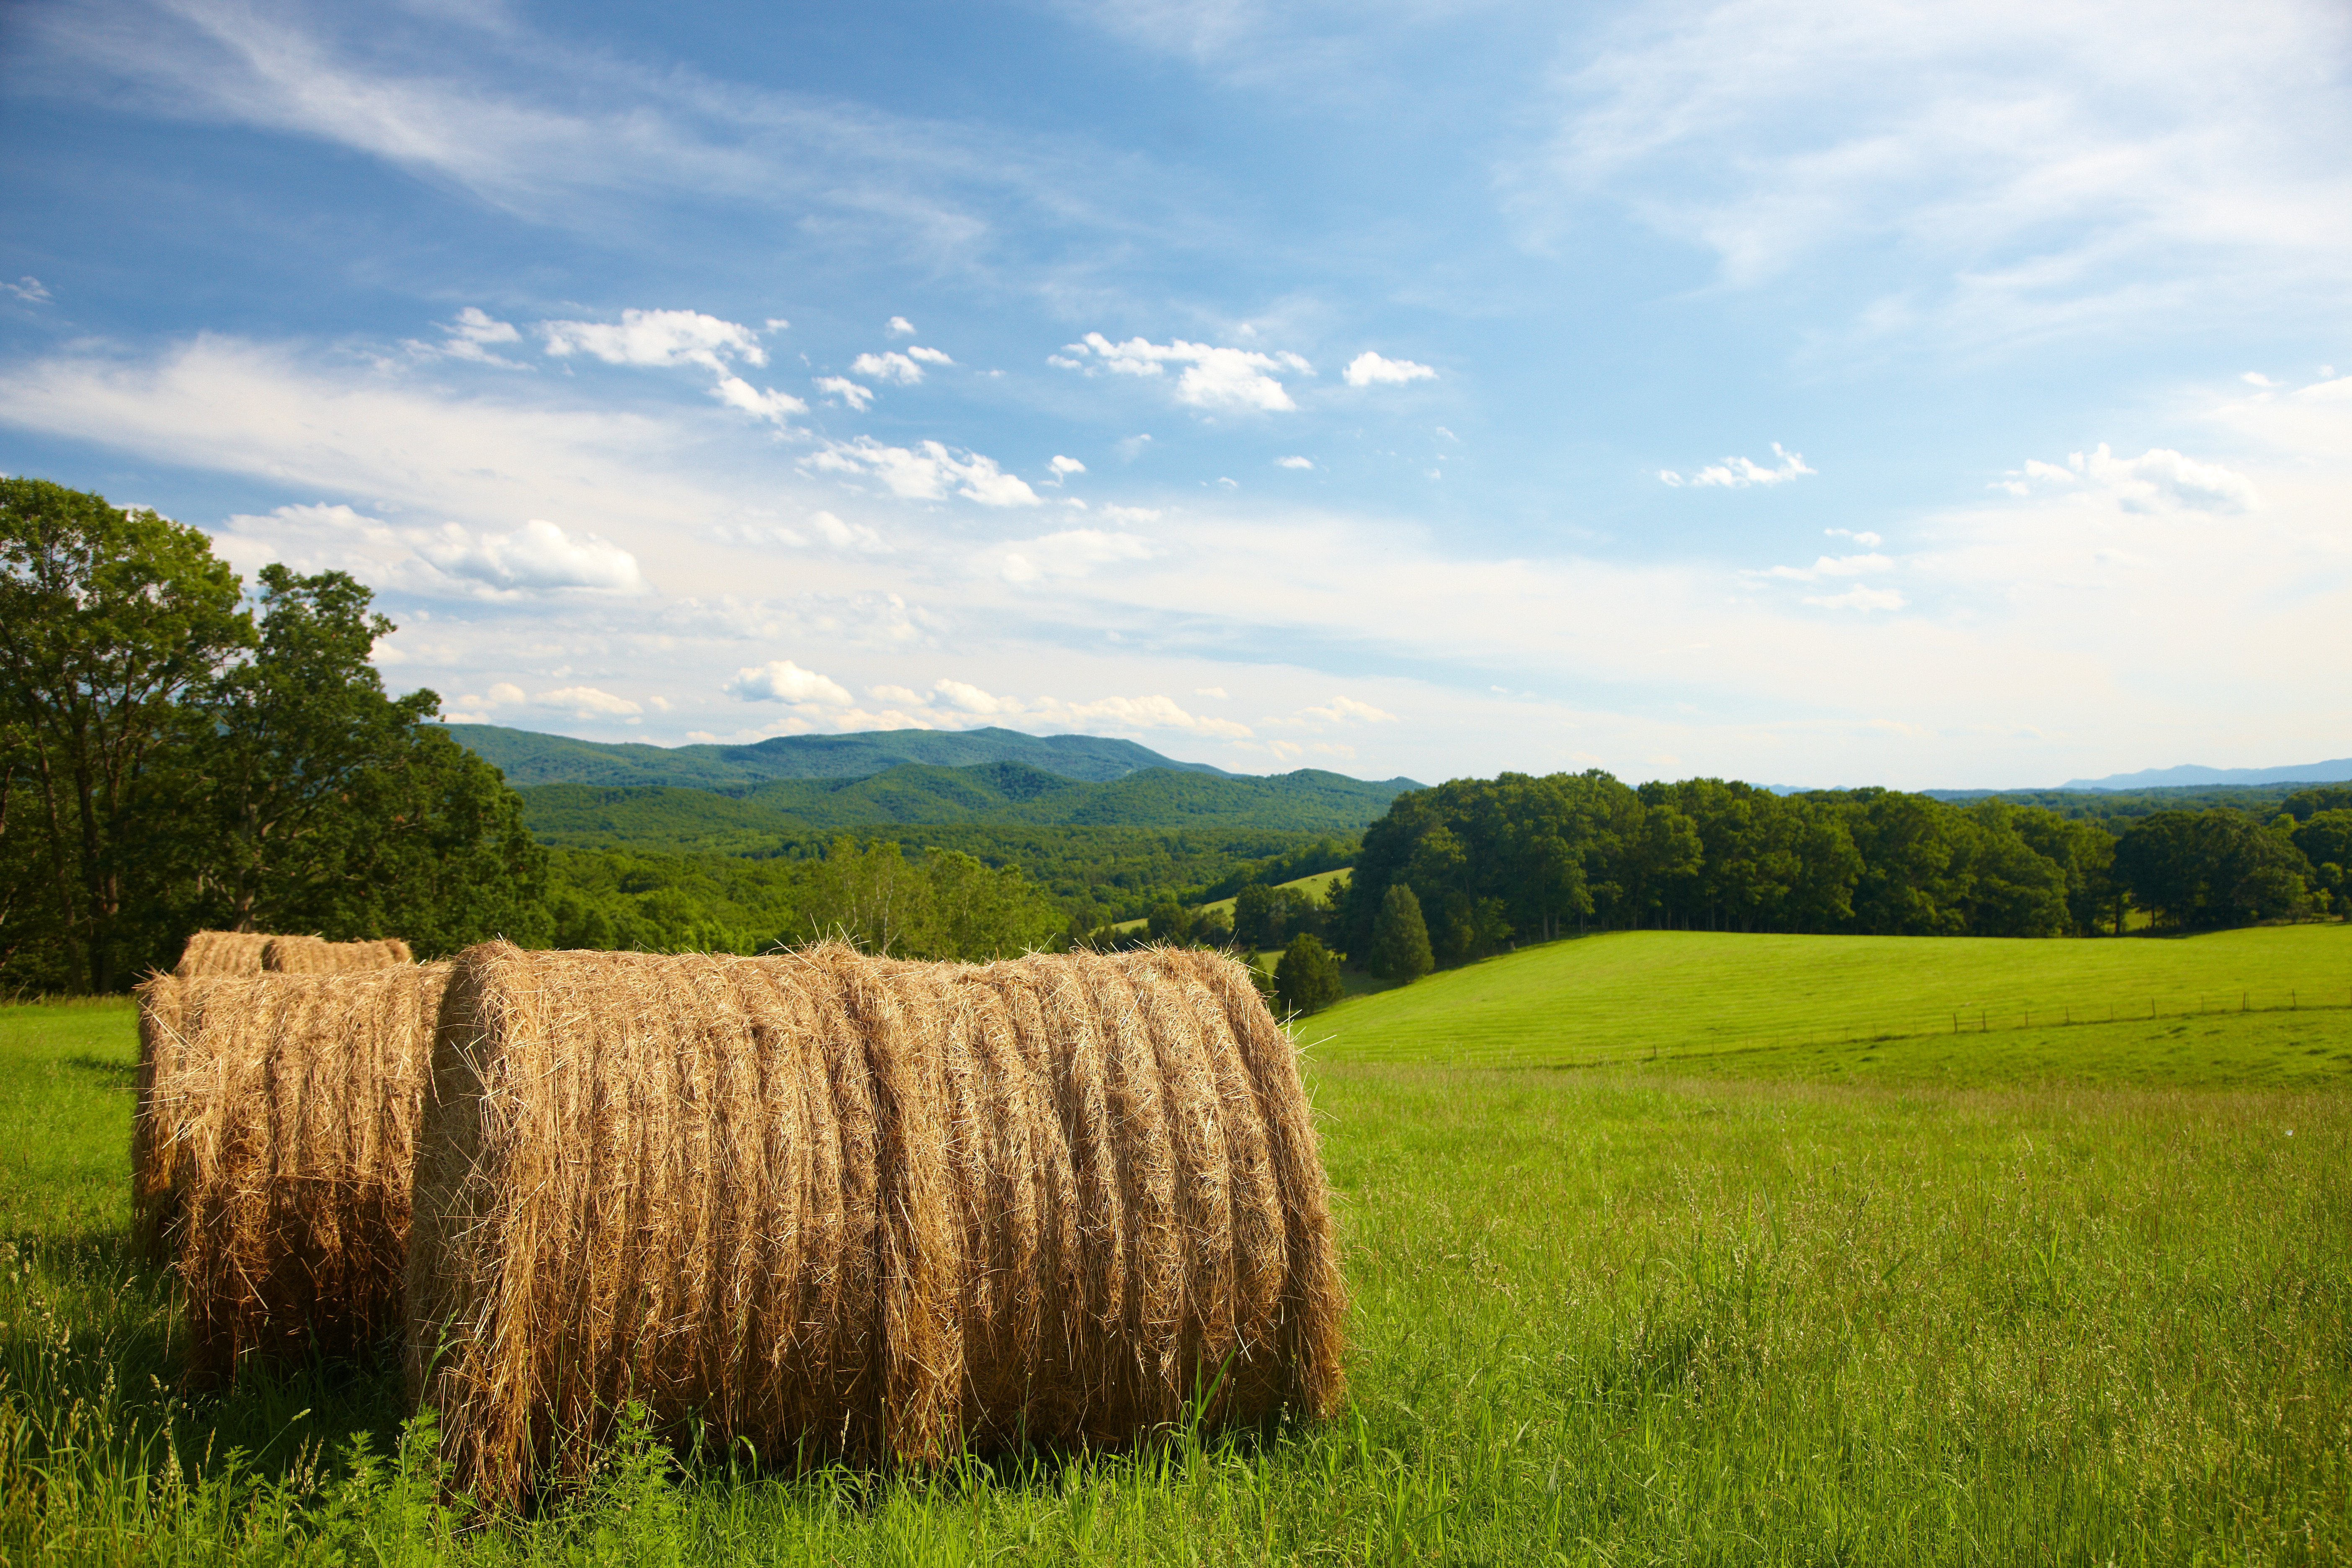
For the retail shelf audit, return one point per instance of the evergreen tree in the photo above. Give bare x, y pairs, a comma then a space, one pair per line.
1306, 979
1400, 937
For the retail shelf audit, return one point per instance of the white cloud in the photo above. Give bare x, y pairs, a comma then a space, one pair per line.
1830, 566
1073, 553
1293, 462
857, 397
1368, 369
847, 535
585, 702
894, 693
2256, 378
1239, 379
1216, 691
768, 403
1133, 516
929, 357
471, 337
926, 474
1866, 538
1738, 473
1065, 466
781, 681
2158, 480
29, 289
890, 366
775, 324
1861, 598
657, 338
1347, 710
539, 555
1114, 713
900, 326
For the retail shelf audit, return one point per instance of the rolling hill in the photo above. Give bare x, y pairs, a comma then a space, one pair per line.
999, 795
528, 757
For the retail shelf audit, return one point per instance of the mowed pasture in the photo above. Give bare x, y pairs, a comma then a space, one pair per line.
1989, 1307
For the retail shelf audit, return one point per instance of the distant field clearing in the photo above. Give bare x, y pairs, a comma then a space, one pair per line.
1631, 996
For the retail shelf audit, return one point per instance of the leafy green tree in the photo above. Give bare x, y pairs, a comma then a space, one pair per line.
1306, 979
1169, 922
2326, 840
296, 736
1257, 917
980, 912
108, 618
1400, 937
2212, 867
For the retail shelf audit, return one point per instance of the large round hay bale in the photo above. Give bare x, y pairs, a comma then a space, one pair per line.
837, 1205
152, 1202
211, 953
315, 955
280, 1144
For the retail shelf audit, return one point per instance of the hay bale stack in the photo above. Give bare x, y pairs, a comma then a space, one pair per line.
211, 953
840, 1206
315, 955
280, 1144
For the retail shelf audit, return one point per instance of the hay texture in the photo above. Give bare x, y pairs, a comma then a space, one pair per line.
152, 1206
315, 955
843, 1206
212, 952
273, 1154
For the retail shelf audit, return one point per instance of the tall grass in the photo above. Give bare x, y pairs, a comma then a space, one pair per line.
1598, 1317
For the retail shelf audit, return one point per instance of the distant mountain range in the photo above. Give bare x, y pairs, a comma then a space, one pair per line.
527, 757
2337, 772
582, 793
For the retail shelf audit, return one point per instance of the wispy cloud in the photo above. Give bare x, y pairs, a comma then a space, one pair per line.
1216, 378
1739, 473
929, 470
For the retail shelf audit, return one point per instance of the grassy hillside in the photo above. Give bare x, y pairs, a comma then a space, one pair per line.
995, 795
1968, 1009
527, 757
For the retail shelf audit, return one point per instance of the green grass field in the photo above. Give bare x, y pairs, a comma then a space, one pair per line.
1313, 885
2025, 1301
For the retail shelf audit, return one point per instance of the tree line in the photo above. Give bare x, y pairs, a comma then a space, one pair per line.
1468, 868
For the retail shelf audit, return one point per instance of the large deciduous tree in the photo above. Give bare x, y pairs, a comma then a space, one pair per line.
109, 618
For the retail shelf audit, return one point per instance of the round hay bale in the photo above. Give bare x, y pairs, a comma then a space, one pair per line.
280, 1130
211, 953
315, 955
152, 1206
835, 1205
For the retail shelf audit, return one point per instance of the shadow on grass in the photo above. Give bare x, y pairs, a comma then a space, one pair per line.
110, 1072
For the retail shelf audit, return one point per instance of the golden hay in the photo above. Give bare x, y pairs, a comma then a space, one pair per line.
210, 953
315, 955
152, 1206
834, 1204
279, 1142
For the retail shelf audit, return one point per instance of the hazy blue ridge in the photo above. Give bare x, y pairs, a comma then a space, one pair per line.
2337, 772
1003, 795
528, 757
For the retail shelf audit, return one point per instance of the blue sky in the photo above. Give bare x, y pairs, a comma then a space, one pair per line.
1905, 393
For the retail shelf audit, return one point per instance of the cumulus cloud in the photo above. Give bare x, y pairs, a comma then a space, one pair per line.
1368, 369
1866, 538
857, 397
1065, 466
1213, 377
583, 702
1738, 473
890, 366
540, 555
1349, 710
1073, 552
761, 404
901, 327
929, 357
781, 681
1133, 516
657, 338
1293, 462
893, 694
2159, 479
925, 473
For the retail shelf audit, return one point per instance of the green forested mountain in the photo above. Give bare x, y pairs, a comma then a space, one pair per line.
527, 757
993, 794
